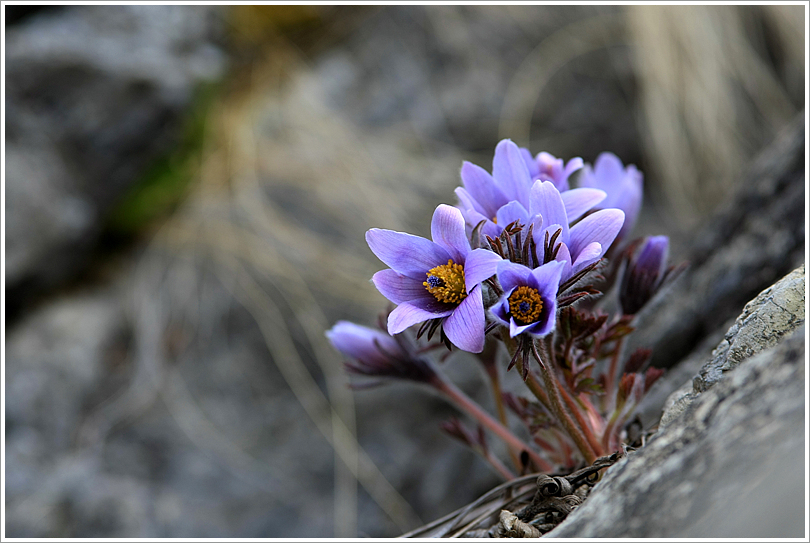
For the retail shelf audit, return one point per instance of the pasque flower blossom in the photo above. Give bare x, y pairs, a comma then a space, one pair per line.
547, 167
529, 302
435, 279
504, 196
624, 186
586, 241
530, 283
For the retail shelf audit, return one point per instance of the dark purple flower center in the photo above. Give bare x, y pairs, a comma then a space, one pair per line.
524, 307
434, 281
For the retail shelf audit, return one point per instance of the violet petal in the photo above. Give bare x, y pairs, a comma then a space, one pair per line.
546, 278
405, 253
602, 226
510, 171
360, 342
510, 274
482, 187
501, 308
481, 265
564, 256
516, 329
406, 315
465, 327
587, 256
513, 211
546, 200
447, 229
578, 201
400, 288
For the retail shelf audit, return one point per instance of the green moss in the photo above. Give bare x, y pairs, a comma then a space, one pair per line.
166, 182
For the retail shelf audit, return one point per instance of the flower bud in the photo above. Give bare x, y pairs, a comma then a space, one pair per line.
644, 275
377, 354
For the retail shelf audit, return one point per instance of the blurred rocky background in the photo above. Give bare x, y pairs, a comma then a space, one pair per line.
187, 189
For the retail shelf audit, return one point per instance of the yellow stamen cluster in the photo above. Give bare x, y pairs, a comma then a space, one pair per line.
525, 305
446, 283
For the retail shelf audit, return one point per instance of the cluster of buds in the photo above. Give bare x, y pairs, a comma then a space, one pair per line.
523, 260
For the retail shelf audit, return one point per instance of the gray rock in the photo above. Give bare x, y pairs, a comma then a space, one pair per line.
774, 313
676, 381
94, 95
732, 465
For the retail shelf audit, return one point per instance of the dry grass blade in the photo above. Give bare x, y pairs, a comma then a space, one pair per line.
449, 523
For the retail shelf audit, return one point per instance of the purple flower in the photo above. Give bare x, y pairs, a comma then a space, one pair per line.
376, 353
483, 195
529, 303
504, 196
586, 241
435, 279
547, 167
624, 186
644, 275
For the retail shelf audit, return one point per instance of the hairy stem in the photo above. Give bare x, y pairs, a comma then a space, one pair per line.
531, 381
560, 411
547, 350
583, 424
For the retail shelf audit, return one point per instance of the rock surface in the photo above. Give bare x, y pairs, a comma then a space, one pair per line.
94, 95
775, 312
729, 461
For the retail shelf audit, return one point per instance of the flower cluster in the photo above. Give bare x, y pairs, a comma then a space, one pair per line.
523, 259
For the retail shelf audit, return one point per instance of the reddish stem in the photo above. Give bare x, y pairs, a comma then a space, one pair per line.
499, 466
492, 372
583, 424
474, 410
611, 375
